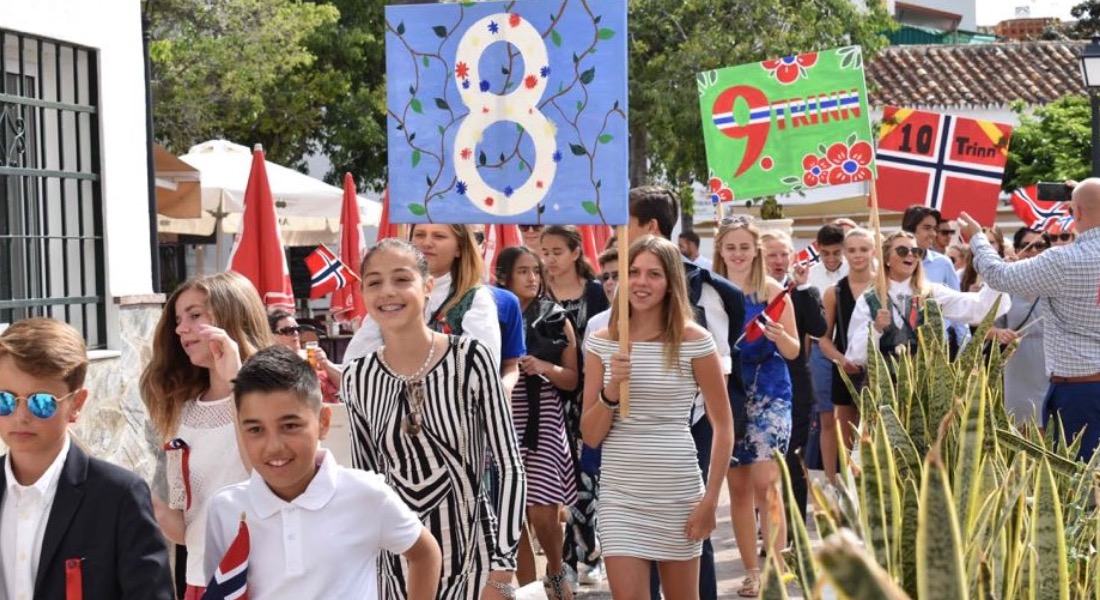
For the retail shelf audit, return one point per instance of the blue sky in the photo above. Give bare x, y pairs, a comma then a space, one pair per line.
990, 12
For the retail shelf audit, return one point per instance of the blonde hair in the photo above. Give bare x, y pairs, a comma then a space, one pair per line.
776, 235
860, 232
467, 269
676, 308
170, 379
916, 283
756, 272
47, 349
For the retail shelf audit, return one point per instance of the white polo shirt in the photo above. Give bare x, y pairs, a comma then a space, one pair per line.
323, 544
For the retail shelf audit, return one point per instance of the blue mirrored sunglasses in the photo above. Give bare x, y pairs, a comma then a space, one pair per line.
41, 404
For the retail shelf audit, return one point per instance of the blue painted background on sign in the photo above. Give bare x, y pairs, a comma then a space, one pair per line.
508, 112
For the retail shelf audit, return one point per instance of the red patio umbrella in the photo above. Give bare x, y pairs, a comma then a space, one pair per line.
385, 228
591, 247
258, 252
497, 238
347, 302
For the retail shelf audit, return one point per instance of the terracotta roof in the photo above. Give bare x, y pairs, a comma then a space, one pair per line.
978, 75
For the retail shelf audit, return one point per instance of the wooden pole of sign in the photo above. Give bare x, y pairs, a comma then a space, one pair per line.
622, 296
880, 272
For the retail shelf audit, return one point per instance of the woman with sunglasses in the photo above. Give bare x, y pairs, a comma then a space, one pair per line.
1025, 378
288, 333
753, 477
532, 237
209, 327
459, 303
896, 323
572, 282
426, 409
549, 371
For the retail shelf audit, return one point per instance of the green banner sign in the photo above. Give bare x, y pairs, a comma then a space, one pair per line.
787, 125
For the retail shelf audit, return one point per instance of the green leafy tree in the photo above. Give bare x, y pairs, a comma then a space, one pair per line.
1087, 14
672, 40
1053, 144
242, 70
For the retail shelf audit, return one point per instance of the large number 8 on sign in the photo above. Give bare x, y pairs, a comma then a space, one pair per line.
519, 106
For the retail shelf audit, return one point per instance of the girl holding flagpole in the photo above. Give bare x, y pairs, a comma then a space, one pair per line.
209, 327
896, 324
753, 477
426, 409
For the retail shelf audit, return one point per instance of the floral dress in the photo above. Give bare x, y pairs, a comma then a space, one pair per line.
768, 388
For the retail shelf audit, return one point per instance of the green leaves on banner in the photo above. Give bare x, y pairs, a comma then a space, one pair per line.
416, 106
590, 207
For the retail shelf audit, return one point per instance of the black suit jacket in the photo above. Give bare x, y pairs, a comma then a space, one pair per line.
102, 514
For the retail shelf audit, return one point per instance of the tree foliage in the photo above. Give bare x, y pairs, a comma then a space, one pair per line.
1087, 14
1053, 144
242, 70
672, 40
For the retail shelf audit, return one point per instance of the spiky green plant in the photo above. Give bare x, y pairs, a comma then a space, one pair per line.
947, 497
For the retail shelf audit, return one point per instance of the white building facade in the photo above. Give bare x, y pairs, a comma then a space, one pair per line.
74, 200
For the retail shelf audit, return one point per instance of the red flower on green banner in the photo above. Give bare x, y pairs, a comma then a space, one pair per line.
788, 69
815, 170
850, 162
719, 192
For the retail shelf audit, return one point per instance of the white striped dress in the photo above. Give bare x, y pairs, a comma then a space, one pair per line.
650, 478
438, 472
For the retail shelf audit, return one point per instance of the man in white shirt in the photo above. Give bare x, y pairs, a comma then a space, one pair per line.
316, 528
831, 268
689, 247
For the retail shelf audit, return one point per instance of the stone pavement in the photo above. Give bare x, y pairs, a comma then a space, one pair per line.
728, 561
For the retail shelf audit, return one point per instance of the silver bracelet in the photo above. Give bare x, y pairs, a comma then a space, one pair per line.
506, 589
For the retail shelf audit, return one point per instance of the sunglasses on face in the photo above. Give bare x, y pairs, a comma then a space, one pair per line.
530, 227
1063, 237
41, 404
612, 275
295, 330
905, 251
946, 232
1035, 246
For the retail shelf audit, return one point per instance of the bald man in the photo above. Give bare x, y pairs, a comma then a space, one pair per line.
1067, 281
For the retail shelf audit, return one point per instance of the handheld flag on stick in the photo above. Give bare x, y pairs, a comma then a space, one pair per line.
327, 273
807, 256
230, 581
772, 312
1037, 214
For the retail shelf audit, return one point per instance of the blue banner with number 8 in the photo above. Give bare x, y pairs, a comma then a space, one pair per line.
508, 112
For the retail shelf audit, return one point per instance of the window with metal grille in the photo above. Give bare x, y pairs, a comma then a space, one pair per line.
51, 200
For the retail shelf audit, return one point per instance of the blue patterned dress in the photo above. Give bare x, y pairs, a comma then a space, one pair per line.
768, 387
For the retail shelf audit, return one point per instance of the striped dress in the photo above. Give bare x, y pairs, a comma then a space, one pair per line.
650, 478
550, 476
439, 472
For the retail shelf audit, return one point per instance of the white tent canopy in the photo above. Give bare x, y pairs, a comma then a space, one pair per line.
308, 208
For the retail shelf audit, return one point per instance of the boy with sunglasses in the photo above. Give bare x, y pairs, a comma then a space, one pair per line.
316, 529
71, 526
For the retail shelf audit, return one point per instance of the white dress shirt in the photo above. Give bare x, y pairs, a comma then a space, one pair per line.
704, 262
322, 544
23, 521
969, 308
821, 278
479, 323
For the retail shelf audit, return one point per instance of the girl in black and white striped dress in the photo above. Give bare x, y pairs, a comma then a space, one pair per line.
424, 409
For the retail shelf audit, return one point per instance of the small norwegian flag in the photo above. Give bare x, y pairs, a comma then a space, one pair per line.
1037, 214
230, 581
772, 312
327, 273
807, 256
1063, 224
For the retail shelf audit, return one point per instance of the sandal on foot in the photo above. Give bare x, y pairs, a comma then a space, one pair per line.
556, 585
750, 585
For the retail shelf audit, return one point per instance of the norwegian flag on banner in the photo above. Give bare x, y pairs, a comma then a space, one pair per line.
230, 581
327, 273
807, 256
952, 164
1037, 214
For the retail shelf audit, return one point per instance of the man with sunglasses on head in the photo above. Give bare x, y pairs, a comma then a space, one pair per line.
924, 223
1067, 280
72, 526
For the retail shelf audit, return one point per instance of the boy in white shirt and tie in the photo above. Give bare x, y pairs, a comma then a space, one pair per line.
316, 528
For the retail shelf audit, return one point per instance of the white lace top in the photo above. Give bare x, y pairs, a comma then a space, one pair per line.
214, 462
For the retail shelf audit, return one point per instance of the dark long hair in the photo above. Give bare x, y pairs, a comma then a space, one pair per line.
574, 241
506, 265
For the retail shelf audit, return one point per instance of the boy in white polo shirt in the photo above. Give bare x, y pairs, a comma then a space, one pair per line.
316, 528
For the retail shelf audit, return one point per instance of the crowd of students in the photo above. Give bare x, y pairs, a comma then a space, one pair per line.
486, 415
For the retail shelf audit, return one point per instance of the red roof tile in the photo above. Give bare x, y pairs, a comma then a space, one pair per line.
977, 75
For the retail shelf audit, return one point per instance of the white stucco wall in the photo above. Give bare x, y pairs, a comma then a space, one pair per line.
113, 28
